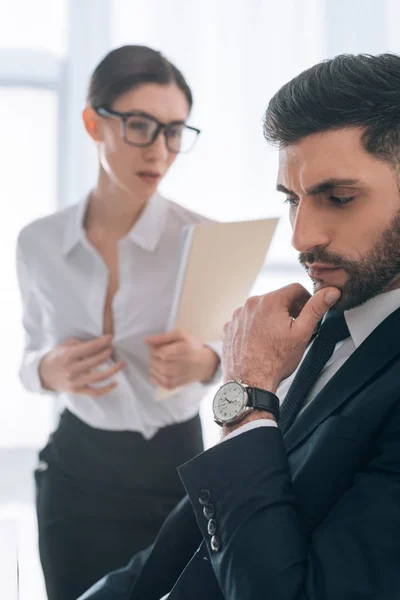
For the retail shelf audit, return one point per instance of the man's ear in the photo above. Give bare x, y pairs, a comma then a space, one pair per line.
92, 123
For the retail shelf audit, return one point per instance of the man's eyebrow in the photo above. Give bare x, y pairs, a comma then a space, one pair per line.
281, 188
329, 184
321, 187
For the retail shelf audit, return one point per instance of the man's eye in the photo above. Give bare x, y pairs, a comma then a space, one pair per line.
291, 201
341, 201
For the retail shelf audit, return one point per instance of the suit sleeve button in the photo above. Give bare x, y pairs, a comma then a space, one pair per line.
204, 497
212, 526
215, 543
208, 511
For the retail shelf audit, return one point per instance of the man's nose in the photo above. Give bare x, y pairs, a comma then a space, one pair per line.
309, 227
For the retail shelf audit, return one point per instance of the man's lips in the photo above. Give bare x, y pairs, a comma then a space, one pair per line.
320, 270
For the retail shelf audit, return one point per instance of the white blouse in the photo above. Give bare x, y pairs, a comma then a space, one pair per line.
63, 282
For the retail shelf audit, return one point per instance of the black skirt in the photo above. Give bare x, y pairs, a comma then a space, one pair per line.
103, 495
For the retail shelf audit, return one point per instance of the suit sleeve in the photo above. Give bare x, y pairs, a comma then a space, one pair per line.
265, 550
36, 345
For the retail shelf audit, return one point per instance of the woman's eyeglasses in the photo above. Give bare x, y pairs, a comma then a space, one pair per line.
141, 130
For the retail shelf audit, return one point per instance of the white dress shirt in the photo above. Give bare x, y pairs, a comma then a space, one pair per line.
63, 282
361, 322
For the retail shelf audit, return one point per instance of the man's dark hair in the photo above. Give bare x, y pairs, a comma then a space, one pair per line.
360, 91
128, 67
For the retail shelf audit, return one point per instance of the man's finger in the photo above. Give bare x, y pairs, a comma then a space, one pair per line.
299, 303
85, 349
293, 297
315, 309
227, 327
164, 338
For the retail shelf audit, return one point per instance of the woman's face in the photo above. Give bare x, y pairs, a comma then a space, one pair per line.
138, 169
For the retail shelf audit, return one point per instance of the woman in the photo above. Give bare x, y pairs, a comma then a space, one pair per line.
97, 282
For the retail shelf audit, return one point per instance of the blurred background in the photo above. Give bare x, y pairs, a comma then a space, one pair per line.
235, 54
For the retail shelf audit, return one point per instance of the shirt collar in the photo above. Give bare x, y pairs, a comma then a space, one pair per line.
74, 231
146, 232
363, 319
150, 226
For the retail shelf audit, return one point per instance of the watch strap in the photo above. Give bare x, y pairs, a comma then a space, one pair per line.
263, 400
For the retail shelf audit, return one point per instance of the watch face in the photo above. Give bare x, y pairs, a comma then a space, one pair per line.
229, 402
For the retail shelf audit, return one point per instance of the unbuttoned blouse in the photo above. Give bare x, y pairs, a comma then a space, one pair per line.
63, 282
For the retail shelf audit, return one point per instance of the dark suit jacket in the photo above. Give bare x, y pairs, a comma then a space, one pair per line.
311, 516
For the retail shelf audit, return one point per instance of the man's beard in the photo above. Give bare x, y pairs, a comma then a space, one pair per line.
371, 275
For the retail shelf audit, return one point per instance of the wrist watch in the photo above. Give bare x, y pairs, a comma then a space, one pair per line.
234, 400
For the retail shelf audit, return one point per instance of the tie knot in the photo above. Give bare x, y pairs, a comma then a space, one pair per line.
334, 327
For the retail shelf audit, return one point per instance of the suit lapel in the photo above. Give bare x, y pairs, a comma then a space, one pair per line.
363, 365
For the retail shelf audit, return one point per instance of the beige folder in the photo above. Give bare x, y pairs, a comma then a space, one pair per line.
219, 265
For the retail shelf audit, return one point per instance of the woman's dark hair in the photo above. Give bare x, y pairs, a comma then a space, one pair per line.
127, 67
347, 91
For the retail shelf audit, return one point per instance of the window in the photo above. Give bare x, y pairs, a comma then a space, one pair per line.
32, 40
28, 155
29, 190
35, 25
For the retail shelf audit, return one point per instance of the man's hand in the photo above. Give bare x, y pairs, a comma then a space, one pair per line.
266, 338
177, 359
71, 367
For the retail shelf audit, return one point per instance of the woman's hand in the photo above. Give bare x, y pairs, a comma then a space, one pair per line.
177, 358
71, 367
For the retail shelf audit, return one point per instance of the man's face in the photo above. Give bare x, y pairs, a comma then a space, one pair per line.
345, 214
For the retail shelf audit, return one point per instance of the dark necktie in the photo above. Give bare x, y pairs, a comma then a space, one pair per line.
332, 331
